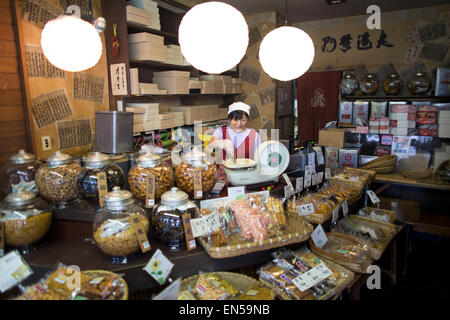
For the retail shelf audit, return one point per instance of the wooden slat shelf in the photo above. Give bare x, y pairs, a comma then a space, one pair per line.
397, 178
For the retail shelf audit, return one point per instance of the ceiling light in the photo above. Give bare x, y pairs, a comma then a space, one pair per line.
72, 44
213, 37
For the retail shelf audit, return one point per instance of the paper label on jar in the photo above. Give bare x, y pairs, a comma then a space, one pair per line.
13, 270
150, 197
159, 267
2, 237
102, 186
140, 234
198, 191
188, 234
114, 226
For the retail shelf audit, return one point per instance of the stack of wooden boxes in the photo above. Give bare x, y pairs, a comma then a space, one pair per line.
151, 13
175, 82
146, 46
145, 116
204, 113
174, 55
140, 88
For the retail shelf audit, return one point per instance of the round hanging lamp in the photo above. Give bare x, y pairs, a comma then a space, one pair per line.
213, 37
286, 53
71, 44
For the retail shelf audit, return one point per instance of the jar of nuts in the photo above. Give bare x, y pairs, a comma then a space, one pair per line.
185, 171
167, 217
114, 231
148, 164
26, 219
20, 172
56, 180
94, 164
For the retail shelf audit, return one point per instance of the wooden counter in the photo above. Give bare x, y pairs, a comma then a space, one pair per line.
397, 178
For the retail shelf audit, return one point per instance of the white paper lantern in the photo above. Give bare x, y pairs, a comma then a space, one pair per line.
286, 53
213, 37
71, 44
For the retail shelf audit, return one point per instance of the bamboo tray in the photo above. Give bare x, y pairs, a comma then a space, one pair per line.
352, 184
392, 216
358, 266
297, 230
388, 230
367, 175
349, 276
240, 281
96, 273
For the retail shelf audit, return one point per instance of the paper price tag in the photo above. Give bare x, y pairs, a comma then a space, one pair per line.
13, 270
327, 173
308, 170
236, 193
319, 155
314, 179
319, 237
288, 192
299, 185
305, 209
335, 215
188, 234
102, 186
312, 277
171, 292
319, 177
198, 226
312, 162
307, 181
218, 187
345, 208
373, 197
159, 267
150, 196
198, 191
2, 239
141, 235
288, 181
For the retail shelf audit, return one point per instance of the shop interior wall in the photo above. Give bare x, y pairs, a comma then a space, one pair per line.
13, 123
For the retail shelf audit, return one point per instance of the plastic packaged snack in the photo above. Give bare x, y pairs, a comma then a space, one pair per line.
256, 293
340, 188
217, 237
353, 174
40, 291
61, 281
103, 287
377, 214
322, 204
205, 290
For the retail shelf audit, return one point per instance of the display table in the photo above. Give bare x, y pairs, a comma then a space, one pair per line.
397, 178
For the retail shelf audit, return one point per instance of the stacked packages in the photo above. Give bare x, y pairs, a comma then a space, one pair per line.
144, 12
403, 118
147, 46
175, 82
444, 123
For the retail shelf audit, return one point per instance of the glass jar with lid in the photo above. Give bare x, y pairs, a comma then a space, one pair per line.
393, 84
369, 84
113, 231
20, 172
420, 84
349, 84
150, 164
56, 180
167, 217
94, 164
184, 172
26, 218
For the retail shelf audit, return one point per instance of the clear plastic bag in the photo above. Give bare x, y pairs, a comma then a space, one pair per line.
103, 287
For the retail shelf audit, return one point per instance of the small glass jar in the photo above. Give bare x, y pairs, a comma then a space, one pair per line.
393, 84
420, 84
113, 230
349, 84
370, 84
57, 180
147, 164
167, 217
26, 218
184, 172
20, 172
95, 163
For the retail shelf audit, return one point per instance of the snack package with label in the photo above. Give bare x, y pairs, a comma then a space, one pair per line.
211, 287
322, 204
64, 281
256, 293
217, 237
227, 219
353, 174
103, 287
39, 291
340, 188
377, 214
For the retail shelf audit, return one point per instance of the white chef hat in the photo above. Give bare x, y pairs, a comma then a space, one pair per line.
239, 106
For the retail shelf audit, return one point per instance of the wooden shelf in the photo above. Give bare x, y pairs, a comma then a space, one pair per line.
134, 28
157, 64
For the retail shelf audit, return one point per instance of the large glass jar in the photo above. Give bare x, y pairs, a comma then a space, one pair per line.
419, 84
184, 172
370, 84
20, 172
26, 218
113, 230
167, 217
56, 180
150, 164
95, 163
392, 85
349, 84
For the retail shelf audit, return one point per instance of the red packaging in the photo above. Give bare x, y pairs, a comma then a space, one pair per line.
427, 108
427, 132
382, 150
426, 114
426, 120
403, 108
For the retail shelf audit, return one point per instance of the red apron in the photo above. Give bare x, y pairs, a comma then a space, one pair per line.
245, 144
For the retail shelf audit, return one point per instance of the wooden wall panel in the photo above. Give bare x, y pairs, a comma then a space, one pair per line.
13, 127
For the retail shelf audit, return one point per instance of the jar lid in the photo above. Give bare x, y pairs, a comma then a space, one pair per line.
370, 75
21, 196
194, 156
96, 159
148, 159
349, 76
174, 197
23, 157
118, 199
59, 158
393, 75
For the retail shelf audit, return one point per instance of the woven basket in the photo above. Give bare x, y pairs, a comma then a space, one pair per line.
355, 184
297, 230
391, 214
384, 164
240, 281
366, 176
417, 173
96, 273
349, 276
349, 263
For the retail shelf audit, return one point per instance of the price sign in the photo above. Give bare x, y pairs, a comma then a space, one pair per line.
159, 267
13, 270
319, 237
307, 181
319, 155
312, 277
345, 208
198, 227
190, 239
288, 192
198, 191
298, 185
373, 197
335, 215
236, 193
171, 292
140, 234
212, 222
150, 197
314, 179
312, 162
319, 177
288, 181
327, 173
305, 209
102, 186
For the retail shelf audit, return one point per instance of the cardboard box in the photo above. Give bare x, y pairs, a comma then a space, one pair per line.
403, 124
403, 116
332, 137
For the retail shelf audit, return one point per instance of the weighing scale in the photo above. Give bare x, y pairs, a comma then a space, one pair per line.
271, 160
